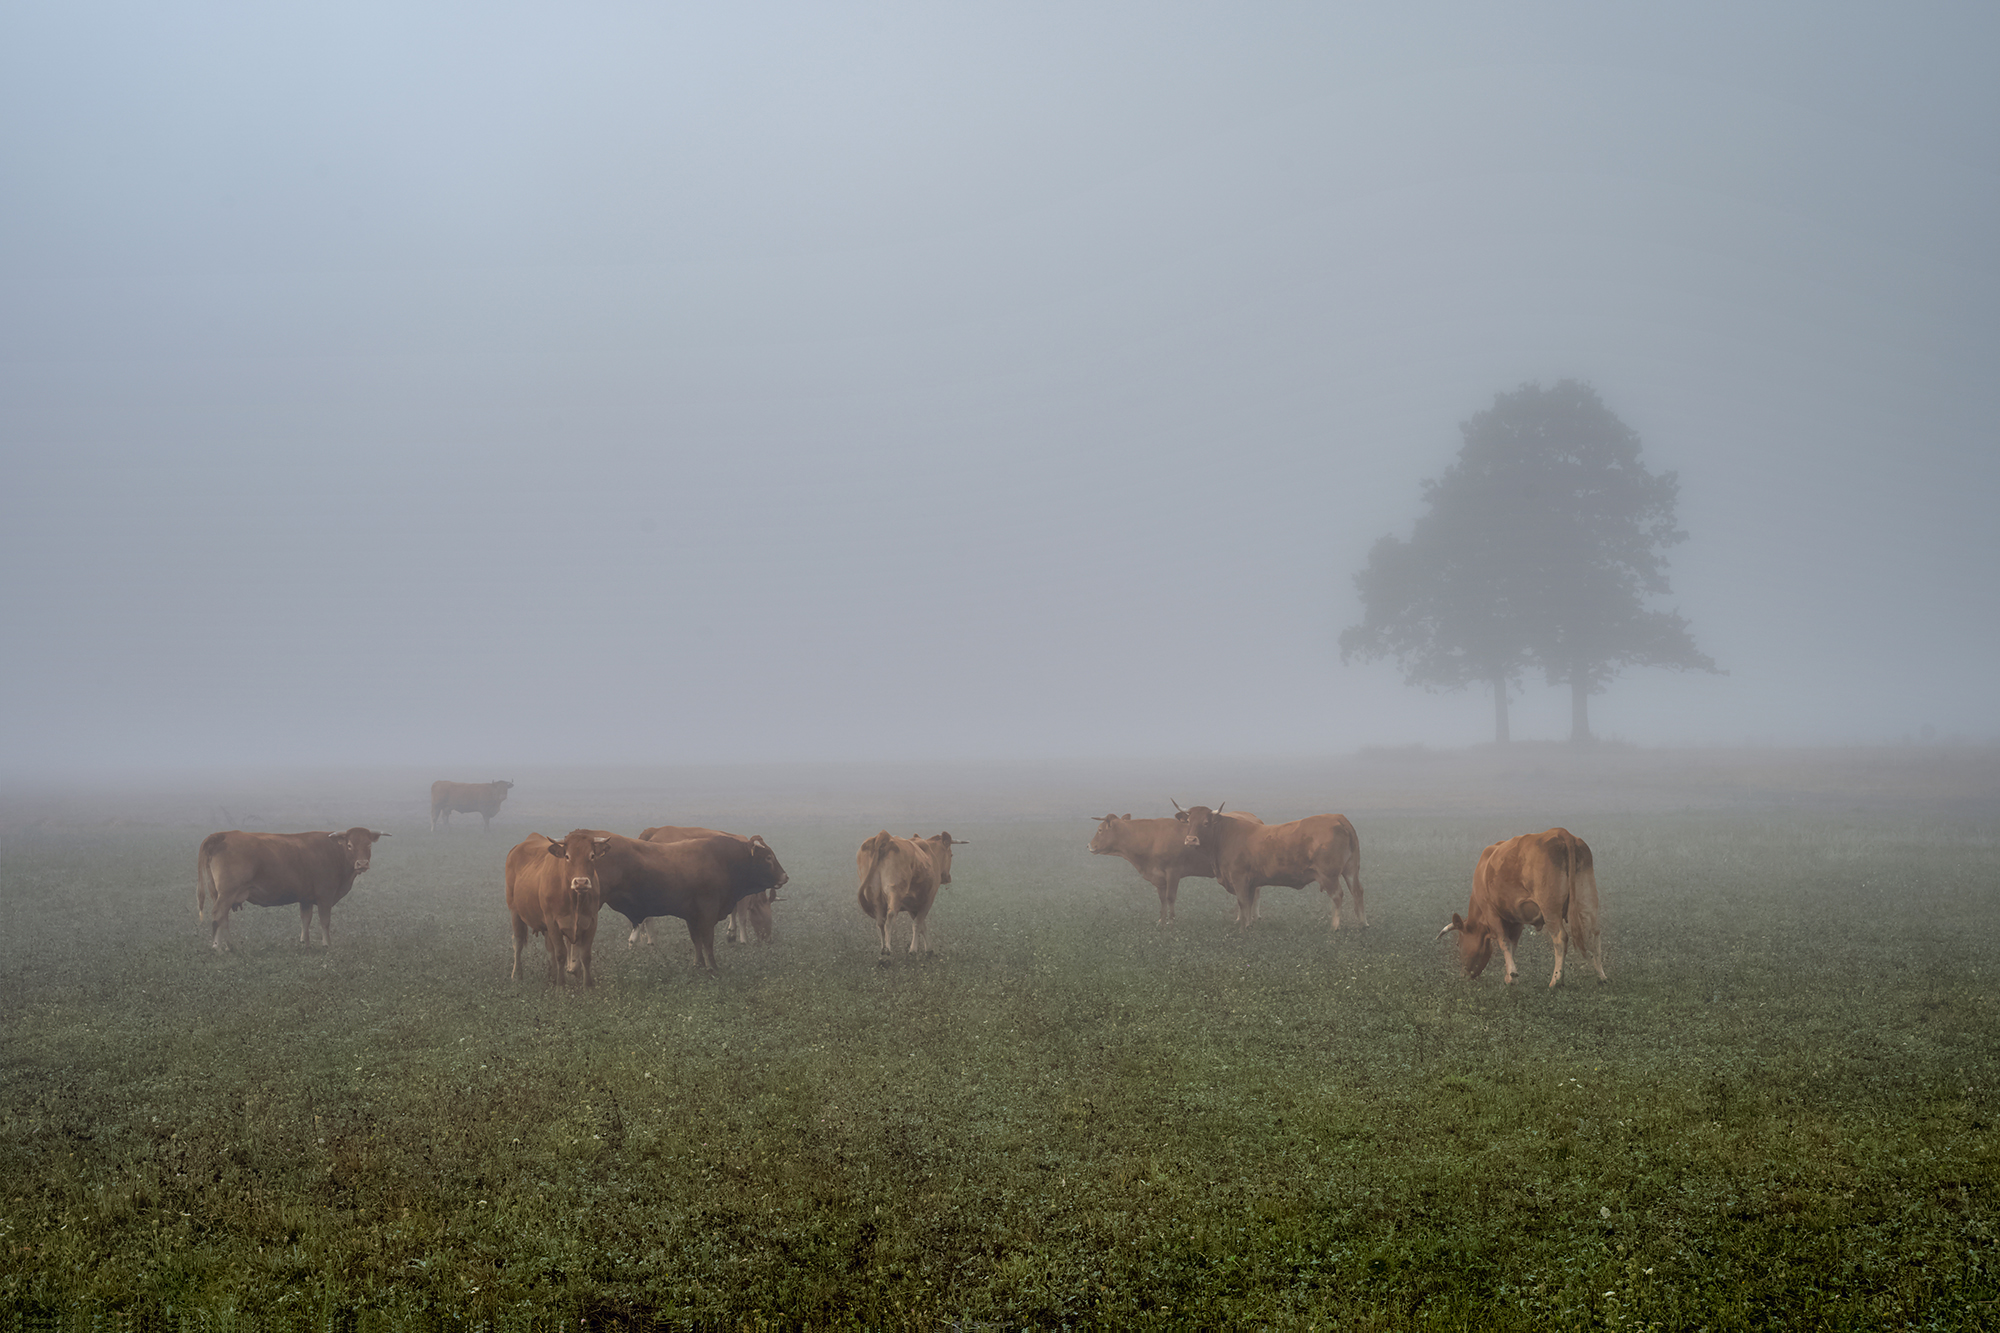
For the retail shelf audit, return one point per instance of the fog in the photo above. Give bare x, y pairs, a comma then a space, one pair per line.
479, 387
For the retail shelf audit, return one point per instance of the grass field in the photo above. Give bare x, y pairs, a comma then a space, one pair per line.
1784, 1109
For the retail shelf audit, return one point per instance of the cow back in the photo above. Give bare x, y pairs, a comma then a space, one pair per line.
682, 833
278, 868
688, 878
897, 874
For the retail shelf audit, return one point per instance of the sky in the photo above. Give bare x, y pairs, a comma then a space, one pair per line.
466, 385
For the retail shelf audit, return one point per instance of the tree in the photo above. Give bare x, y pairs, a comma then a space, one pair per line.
1540, 548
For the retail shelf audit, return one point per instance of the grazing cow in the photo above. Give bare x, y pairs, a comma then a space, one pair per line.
1545, 880
467, 798
903, 875
1248, 857
751, 914
700, 880
314, 870
1158, 849
554, 890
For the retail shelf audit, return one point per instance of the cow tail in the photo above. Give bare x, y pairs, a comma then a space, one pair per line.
870, 865
204, 873
1582, 918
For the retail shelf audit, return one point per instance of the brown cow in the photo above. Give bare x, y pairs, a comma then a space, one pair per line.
1545, 880
751, 914
1158, 849
1322, 848
314, 870
554, 890
467, 798
699, 880
903, 875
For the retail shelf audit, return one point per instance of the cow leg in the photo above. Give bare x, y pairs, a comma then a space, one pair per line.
326, 924
1510, 936
882, 926
704, 945
1556, 936
918, 932
1169, 887
1246, 910
520, 942
305, 923
485, 822
1354, 882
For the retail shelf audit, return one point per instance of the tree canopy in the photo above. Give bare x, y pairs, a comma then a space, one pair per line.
1540, 549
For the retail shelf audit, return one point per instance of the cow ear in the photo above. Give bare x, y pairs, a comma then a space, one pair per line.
557, 850
1126, 815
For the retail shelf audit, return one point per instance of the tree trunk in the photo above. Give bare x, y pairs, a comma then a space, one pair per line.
1579, 704
1500, 736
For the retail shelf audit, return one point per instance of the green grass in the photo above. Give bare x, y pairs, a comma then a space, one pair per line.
1781, 1111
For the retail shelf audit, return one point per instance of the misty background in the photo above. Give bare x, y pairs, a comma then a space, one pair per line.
469, 387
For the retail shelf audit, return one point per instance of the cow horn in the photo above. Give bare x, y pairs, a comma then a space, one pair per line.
1220, 808
1176, 804
1449, 927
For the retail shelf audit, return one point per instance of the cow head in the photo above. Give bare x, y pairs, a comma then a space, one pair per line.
576, 906
767, 865
940, 849
1197, 822
1475, 944
1105, 841
359, 844
502, 787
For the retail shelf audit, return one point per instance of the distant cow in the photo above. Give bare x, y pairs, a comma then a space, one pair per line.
1158, 849
314, 870
1248, 857
903, 875
700, 880
752, 913
467, 798
553, 890
1545, 880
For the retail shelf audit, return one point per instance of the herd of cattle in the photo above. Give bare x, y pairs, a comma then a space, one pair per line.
557, 887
